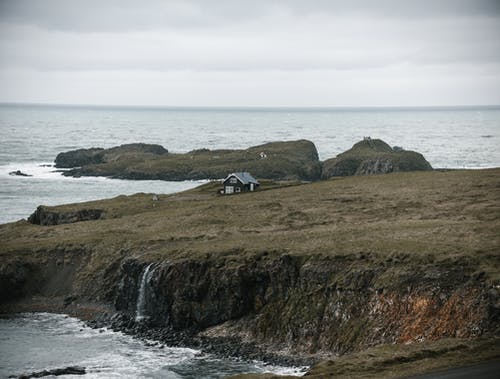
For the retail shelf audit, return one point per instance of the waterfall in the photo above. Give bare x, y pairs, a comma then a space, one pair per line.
140, 313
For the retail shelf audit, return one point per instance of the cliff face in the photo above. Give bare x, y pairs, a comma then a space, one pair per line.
316, 304
294, 304
327, 267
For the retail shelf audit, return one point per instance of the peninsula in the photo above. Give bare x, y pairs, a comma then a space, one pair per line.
397, 272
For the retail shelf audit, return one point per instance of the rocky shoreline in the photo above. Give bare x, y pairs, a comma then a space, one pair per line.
220, 347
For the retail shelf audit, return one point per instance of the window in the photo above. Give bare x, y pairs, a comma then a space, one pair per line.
233, 180
237, 189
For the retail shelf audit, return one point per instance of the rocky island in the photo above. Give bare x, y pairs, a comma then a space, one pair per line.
275, 160
290, 160
378, 275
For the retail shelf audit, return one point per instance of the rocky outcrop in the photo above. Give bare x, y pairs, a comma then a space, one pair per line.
85, 157
51, 216
77, 158
18, 173
297, 160
374, 156
70, 370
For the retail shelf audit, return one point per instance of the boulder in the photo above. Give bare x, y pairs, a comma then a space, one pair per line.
18, 173
373, 156
70, 370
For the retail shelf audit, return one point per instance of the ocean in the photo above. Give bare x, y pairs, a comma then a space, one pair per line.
33, 342
32, 135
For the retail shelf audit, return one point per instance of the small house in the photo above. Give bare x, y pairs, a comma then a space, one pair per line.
240, 182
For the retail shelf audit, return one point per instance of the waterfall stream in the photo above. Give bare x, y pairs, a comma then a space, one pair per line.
141, 310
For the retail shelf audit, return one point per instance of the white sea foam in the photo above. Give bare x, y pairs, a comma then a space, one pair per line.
40, 170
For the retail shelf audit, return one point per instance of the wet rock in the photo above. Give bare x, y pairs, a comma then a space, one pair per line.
18, 173
70, 370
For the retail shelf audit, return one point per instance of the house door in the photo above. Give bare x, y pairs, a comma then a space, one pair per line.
229, 189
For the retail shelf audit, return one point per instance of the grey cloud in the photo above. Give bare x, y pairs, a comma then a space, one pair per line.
290, 43
126, 15
207, 46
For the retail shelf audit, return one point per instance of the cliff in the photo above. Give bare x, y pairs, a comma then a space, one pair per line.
293, 160
310, 270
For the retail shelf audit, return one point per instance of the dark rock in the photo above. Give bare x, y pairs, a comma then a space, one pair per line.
13, 279
18, 173
80, 157
50, 216
68, 300
71, 370
373, 157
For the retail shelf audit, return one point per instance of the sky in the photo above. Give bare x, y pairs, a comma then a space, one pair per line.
251, 53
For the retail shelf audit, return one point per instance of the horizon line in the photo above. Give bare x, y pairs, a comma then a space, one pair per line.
257, 107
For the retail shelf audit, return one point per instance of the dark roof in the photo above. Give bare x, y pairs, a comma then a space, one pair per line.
243, 177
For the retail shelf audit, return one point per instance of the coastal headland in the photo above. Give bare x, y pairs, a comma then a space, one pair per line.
385, 274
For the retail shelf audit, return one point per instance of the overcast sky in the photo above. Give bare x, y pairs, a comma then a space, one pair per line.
250, 53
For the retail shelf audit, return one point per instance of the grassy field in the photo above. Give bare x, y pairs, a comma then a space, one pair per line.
427, 214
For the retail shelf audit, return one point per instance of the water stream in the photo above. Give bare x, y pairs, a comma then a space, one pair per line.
141, 310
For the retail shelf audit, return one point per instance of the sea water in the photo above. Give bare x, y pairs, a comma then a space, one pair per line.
32, 135
33, 342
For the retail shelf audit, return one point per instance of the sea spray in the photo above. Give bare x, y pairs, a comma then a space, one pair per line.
141, 310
